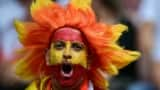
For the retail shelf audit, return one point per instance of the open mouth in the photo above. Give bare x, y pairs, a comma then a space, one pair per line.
66, 70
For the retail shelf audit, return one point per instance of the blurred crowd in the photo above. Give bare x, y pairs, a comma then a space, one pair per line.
141, 17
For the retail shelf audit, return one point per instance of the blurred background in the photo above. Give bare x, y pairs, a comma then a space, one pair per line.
142, 18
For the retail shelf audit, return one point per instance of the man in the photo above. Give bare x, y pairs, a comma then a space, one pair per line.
65, 48
9, 42
149, 37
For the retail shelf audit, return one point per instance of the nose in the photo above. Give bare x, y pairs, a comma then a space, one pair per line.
67, 51
67, 56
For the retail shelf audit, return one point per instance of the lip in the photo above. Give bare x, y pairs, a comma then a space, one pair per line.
69, 79
67, 70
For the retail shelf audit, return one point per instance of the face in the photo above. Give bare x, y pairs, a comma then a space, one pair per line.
69, 53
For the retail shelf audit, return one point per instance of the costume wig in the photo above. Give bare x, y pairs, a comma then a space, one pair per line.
106, 56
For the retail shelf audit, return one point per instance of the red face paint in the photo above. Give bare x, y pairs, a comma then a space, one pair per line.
67, 34
79, 72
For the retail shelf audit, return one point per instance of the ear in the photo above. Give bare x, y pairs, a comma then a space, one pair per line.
47, 57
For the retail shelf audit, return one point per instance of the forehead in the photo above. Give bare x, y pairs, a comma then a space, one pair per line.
67, 34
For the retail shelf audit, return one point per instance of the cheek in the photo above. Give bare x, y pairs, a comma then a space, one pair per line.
79, 58
55, 57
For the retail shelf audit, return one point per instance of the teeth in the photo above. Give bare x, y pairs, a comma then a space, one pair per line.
67, 74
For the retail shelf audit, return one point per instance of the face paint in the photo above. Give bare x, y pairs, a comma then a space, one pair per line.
67, 34
69, 52
67, 46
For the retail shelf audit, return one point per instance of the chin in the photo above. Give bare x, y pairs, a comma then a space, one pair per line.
68, 75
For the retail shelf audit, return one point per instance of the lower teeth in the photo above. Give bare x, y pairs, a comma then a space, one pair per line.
66, 70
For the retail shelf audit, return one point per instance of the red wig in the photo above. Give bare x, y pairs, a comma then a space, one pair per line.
107, 56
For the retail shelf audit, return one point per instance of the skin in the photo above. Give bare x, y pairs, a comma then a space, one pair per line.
56, 86
148, 65
145, 44
67, 47
73, 52
68, 51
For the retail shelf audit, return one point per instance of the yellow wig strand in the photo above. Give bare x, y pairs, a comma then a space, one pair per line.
48, 16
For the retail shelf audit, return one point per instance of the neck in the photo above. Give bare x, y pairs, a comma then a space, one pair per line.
83, 85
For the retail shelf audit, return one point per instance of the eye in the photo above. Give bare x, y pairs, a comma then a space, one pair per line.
77, 46
59, 45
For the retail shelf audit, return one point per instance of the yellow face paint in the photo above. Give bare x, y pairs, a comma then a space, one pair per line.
68, 51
